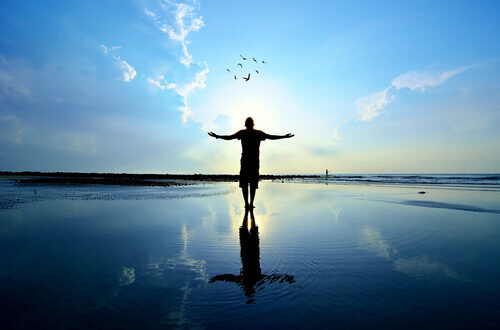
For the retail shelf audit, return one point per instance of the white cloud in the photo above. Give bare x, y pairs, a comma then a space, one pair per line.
368, 107
183, 90
161, 84
198, 82
104, 48
129, 72
149, 13
415, 80
186, 21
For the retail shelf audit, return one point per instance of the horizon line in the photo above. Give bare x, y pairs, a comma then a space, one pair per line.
266, 174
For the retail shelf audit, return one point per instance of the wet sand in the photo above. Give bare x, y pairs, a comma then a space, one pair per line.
349, 255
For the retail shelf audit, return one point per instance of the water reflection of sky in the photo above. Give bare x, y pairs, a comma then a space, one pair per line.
355, 261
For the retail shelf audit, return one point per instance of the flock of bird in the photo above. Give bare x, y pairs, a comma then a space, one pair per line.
247, 78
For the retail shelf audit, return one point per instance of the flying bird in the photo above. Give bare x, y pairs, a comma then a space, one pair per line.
228, 70
257, 71
244, 58
253, 58
235, 78
246, 78
264, 62
241, 65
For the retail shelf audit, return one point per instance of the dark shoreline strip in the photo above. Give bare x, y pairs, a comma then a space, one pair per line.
125, 179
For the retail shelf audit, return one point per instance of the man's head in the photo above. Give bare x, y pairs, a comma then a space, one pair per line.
249, 123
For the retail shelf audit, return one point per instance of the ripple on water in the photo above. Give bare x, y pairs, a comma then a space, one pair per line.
13, 195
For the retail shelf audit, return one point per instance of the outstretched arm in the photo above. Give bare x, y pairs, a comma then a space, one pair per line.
224, 137
277, 137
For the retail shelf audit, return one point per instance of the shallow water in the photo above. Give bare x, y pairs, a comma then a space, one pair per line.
318, 256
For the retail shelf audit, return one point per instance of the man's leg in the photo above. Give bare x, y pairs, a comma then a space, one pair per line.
244, 190
252, 194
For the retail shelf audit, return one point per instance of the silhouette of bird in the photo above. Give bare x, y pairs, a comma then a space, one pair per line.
246, 78
228, 70
244, 58
235, 78
257, 71
253, 58
241, 65
264, 62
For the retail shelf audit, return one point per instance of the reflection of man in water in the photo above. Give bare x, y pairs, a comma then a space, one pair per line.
251, 276
250, 143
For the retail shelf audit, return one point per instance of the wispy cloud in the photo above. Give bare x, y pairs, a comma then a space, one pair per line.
76, 142
149, 13
161, 83
335, 134
11, 86
107, 50
183, 90
186, 21
369, 106
415, 80
336, 130
177, 20
128, 71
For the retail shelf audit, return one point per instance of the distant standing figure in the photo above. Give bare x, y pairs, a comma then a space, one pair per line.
326, 176
250, 143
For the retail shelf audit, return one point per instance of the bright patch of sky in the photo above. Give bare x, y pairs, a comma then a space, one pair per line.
372, 87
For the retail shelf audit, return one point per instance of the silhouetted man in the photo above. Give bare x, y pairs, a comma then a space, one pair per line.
250, 143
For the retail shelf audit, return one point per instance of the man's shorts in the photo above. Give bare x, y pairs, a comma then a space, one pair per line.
249, 174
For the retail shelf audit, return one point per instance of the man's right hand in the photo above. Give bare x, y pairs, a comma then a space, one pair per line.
212, 134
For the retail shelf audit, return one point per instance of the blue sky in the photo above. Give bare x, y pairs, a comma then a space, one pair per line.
370, 87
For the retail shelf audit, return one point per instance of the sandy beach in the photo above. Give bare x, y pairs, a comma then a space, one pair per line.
369, 255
